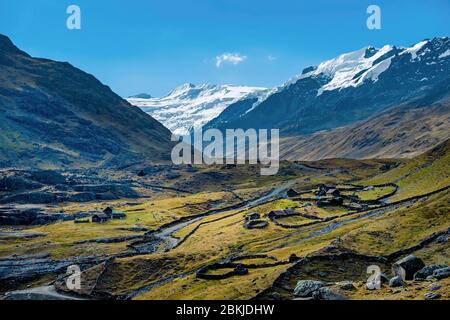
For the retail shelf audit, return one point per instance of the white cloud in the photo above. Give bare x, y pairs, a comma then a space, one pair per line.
271, 57
229, 58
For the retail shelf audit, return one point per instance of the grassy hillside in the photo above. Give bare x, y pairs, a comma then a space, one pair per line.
65, 117
403, 132
170, 273
423, 174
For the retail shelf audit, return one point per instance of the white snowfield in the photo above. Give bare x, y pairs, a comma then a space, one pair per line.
344, 69
355, 68
445, 54
190, 106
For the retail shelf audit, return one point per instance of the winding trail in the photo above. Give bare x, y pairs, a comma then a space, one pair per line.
164, 235
330, 225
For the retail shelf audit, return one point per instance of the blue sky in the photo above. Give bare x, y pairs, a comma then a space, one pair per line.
152, 46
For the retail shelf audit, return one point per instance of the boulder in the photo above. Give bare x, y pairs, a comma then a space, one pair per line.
441, 273
191, 169
326, 293
346, 285
305, 288
372, 284
427, 271
384, 278
432, 296
409, 266
13, 217
435, 286
276, 296
396, 281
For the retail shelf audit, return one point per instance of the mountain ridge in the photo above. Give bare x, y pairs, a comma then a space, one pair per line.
401, 132
53, 114
190, 106
343, 90
366, 103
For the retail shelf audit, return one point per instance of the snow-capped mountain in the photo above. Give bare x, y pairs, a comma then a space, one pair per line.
190, 107
348, 88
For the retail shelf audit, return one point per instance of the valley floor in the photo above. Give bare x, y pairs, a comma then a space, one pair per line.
226, 233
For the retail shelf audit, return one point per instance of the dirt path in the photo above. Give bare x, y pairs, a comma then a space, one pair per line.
163, 239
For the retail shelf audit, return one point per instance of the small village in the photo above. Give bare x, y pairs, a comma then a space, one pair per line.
337, 200
103, 216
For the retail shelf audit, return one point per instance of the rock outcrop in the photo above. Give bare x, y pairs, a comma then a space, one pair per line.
427, 271
306, 288
409, 266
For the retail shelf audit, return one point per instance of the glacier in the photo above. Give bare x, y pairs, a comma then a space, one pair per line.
189, 106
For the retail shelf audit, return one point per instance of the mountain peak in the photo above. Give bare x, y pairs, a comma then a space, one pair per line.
353, 68
7, 46
347, 88
191, 106
348, 69
184, 87
40, 95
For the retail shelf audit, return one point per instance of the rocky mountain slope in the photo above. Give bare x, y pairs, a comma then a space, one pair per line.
189, 106
53, 114
384, 102
401, 132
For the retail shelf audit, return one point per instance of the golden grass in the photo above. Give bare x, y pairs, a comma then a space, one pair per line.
420, 175
234, 288
402, 228
61, 236
374, 194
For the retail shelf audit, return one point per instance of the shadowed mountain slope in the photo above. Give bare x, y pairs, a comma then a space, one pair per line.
53, 114
401, 132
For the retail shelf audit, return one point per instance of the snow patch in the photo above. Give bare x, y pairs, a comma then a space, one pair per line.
190, 106
414, 49
375, 71
445, 54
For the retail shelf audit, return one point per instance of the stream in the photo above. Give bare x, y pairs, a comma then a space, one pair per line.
164, 236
